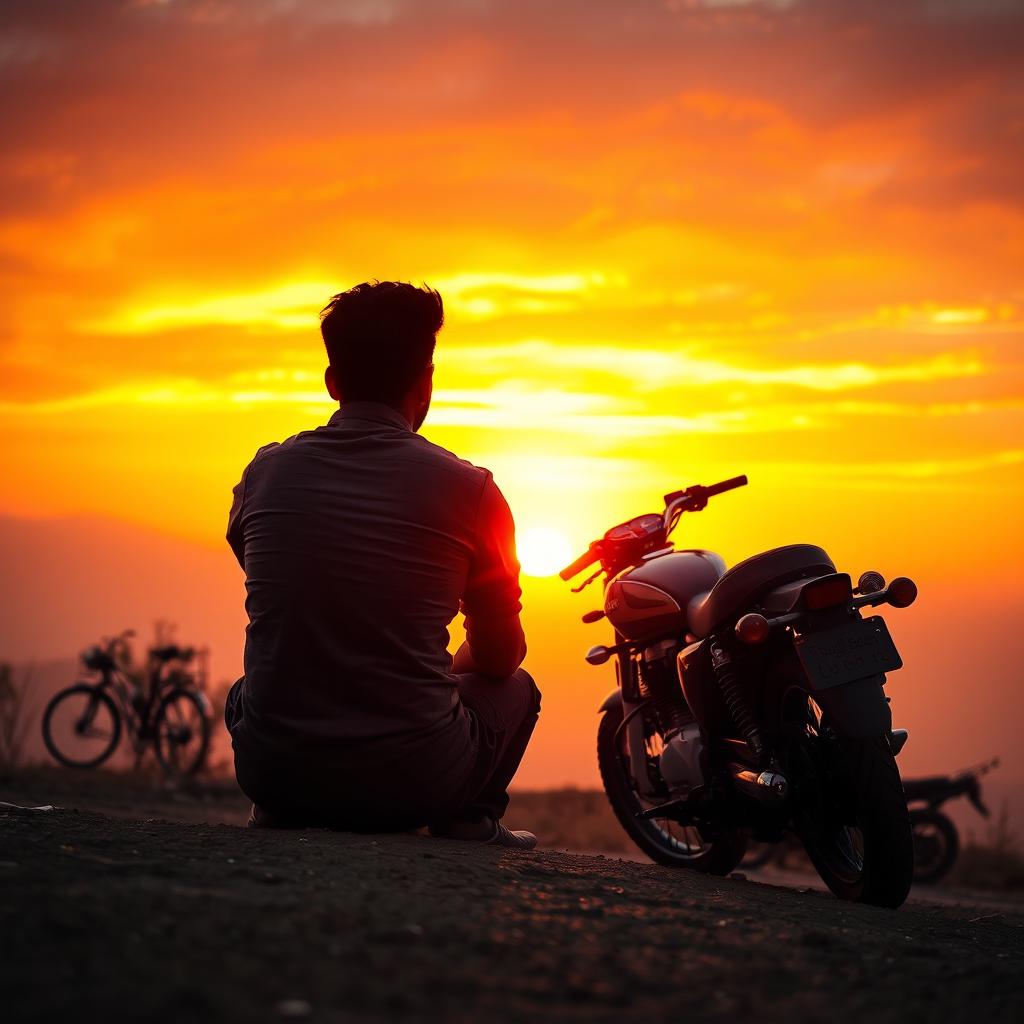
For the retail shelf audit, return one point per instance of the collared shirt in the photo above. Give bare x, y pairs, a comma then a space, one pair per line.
360, 540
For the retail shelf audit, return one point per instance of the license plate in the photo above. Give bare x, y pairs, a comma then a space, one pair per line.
846, 653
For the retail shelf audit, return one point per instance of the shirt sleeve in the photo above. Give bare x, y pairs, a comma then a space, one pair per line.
235, 533
492, 600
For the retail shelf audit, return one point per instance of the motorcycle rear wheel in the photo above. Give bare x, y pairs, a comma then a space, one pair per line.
857, 833
936, 845
664, 841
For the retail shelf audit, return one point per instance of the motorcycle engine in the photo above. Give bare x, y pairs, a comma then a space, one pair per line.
680, 759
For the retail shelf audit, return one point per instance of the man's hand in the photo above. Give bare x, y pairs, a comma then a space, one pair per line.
497, 664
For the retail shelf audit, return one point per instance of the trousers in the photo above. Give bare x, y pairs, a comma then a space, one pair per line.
460, 773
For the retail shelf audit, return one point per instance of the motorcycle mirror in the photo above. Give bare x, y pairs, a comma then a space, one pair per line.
598, 655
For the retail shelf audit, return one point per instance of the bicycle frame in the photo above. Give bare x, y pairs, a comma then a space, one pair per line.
136, 715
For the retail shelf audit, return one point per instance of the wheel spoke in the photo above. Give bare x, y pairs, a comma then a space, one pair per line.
684, 840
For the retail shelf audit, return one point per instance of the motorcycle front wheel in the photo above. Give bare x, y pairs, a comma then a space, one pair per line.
853, 819
663, 840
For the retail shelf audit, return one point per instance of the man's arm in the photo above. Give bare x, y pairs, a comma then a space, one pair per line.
495, 643
234, 534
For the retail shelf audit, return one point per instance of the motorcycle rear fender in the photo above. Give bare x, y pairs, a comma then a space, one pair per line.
858, 710
614, 699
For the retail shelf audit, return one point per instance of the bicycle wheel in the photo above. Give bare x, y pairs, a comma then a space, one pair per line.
81, 726
181, 733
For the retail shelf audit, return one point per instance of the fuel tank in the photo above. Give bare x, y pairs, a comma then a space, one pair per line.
650, 600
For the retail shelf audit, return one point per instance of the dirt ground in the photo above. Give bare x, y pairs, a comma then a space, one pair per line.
112, 918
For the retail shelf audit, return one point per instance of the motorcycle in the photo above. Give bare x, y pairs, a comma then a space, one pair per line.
936, 840
749, 701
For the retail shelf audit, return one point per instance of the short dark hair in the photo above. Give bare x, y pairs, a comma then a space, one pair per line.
380, 336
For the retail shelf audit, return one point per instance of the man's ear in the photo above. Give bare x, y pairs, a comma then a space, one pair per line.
423, 392
426, 387
332, 384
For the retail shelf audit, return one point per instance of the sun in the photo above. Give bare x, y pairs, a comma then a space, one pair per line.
543, 550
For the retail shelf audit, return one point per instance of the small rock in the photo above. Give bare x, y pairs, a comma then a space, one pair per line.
294, 1008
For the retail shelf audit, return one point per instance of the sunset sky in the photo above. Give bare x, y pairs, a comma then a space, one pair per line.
677, 241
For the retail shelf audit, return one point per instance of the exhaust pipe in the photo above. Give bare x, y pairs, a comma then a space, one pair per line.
766, 787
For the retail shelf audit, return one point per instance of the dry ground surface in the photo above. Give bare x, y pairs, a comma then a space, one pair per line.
110, 918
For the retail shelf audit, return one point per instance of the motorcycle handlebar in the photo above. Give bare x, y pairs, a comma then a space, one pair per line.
593, 553
726, 485
707, 492
588, 558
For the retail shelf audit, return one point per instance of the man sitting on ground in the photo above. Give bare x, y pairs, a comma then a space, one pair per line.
360, 542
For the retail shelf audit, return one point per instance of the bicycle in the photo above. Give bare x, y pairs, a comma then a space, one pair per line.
82, 724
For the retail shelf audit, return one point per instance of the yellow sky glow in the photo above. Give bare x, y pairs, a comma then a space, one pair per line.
676, 242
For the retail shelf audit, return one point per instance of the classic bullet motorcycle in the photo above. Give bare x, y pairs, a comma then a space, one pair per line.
750, 701
936, 839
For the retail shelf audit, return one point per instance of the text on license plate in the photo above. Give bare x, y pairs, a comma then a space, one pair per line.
845, 653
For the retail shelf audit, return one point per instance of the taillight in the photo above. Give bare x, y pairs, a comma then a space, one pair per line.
827, 592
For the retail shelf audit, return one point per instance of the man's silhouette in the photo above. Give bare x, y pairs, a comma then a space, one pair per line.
360, 542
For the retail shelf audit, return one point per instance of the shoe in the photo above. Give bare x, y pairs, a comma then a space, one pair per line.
259, 818
519, 840
486, 831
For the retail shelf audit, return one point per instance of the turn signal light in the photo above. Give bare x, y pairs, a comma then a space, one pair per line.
870, 582
827, 592
753, 628
902, 592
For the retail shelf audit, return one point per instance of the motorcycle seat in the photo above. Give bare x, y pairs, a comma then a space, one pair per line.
925, 789
735, 591
171, 653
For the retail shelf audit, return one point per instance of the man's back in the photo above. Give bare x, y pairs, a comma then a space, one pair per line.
359, 539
